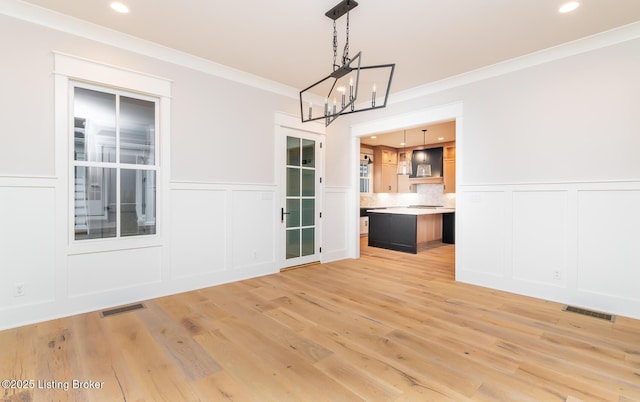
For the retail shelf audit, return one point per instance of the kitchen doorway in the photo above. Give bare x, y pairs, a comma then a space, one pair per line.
449, 112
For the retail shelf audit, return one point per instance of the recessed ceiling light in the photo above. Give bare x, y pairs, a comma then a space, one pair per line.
373, 137
568, 7
440, 138
403, 143
119, 7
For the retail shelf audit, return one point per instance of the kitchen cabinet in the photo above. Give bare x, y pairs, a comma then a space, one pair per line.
449, 228
385, 165
405, 229
405, 184
449, 169
364, 225
393, 232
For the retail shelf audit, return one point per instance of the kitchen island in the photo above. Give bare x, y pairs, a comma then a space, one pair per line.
404, 229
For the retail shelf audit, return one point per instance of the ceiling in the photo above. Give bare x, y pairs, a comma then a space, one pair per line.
290, 41
436, 133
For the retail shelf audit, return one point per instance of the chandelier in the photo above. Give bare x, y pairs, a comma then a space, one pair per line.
337, 93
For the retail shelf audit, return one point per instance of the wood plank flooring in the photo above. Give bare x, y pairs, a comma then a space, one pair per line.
387, 327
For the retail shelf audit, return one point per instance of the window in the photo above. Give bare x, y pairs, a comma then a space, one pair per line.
365, 176
115, 163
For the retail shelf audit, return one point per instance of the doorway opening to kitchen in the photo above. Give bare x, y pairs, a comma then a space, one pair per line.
407, 174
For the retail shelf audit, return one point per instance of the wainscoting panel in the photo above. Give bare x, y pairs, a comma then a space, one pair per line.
27, 243
198, 232
573, 243
482, 232
609, 243
96, 273
335, 228
252, 228
540, 236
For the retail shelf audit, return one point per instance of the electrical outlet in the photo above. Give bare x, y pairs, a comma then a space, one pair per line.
556, 275
18, 289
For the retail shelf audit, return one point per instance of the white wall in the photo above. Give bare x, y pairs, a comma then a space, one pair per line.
548, 172
218, 211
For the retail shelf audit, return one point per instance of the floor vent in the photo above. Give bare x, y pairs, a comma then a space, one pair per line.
123, 309
590, 313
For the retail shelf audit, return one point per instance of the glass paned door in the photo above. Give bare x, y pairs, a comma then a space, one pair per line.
300, 213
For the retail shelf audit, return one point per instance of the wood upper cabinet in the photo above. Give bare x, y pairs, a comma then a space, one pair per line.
449, 169
388, 156
385, 165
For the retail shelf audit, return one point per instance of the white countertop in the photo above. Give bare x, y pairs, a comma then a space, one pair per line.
413, 211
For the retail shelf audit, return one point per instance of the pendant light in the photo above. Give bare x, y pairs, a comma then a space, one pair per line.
404, 166
339, 89
423, 169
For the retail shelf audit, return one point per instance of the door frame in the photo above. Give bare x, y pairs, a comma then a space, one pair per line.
436, 114
284, 122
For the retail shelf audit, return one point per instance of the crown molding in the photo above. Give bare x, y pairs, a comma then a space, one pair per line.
60, 22
604, 39
74, 26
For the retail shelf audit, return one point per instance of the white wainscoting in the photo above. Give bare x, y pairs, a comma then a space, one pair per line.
609, 243
95, 273
213, 234
574, 243
481, 221
27, 241
222, 232
335, 217
198, 232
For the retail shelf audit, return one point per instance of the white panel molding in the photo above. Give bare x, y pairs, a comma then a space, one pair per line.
539, 237
239, 225
199, 232
94, 274
27, 243
595, 222
335, 243
608, 243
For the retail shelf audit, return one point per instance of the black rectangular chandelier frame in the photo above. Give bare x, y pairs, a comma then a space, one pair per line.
349, 66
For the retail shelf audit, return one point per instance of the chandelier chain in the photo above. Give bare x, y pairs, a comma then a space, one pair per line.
335, 45
345, 54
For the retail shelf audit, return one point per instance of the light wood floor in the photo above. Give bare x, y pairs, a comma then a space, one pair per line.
387, 327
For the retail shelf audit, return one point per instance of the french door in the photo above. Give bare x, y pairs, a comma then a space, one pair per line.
300, 214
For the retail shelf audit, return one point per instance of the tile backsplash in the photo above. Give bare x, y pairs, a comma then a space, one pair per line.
427, 194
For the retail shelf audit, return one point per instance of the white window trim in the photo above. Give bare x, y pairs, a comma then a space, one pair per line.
70, 69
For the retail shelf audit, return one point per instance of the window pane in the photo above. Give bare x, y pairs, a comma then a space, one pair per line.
308, 212
137, 202
137, 131
308, 183
94, 203
94, 126
293, 182
308, 153
293, 208
308, 241
293, 151
293, 243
